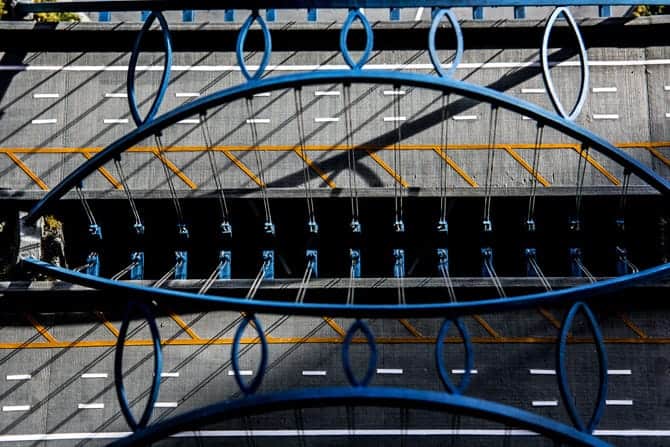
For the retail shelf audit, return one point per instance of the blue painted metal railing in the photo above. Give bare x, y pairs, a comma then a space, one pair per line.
360, 392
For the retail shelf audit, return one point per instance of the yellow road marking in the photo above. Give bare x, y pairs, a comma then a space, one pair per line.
172, 167
387, 168
105, 173
314, 167
487, 327
24, 167
41, 329
448, 160
519, 159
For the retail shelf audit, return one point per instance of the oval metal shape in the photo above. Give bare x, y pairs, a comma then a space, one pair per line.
584, 64
372, 359
564, 386
355, 14
132, 66
439, 357
118, 367
432, 50
267, 49
252, 386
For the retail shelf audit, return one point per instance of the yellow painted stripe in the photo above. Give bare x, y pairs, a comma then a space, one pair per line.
658, 154
549, 316
244, 168
519, 159
412, 330
632, 326
182, 324
336, 327
34, 177
105, 173
314, 167
598, 166
387, 168
172, 167
41, 329
487, 327
110, 327
448, 160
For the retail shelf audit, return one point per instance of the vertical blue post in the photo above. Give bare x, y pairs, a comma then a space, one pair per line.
93, 264
181, 265
104, 16
443, 252
269, 263
487, 249
604, 10
137, 272
398, 263
519, 12
355, 256
188, 15
225, 257
229, 15
144, 15
313, 260
312, 14
394, 14
477, 13
271, 15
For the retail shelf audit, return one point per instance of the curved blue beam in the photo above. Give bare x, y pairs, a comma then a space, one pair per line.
587, 293
361, 396
252, 87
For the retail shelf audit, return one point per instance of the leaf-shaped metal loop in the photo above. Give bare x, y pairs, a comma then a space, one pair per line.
132, 67
583, 60
252, 386
439, 357
372, 359
566, 392
432, 50
267, 49
355, 14
118, 367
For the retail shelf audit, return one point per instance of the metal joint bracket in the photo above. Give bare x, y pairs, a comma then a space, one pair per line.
225, 258
399, 263
313, 262
355, 256
181, 266
137, 258
269, 263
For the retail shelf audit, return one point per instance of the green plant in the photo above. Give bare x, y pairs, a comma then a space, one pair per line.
54, 16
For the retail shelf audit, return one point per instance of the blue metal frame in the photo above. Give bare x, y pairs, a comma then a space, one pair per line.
432, 51
132, 66
468, 358
242, 37
588, 292
355, 14
252, 386
361, 396
359, 325
118, 367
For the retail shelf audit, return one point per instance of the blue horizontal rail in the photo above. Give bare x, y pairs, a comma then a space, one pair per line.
178, 5
361, 396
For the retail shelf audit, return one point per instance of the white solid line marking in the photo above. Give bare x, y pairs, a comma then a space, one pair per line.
419, 13
543, 372
667, 115
533, 90
545, 403
44, 121
45, 95
326, 93
115, 121
604, 89
170, 374
94, 376
389, 371
263, 94
619, 372
96, 406
462, 371
394, 92
605, 116
666, 88
243, 372
165, 405
464, 117
619, 402
634, 433
326, 120
18, 376
187, 94
116, 95
523, 117
258, 121
388, 119
189, 121
314, 373
16, 408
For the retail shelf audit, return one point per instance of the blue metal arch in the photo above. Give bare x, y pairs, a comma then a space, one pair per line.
361, 396
446, 85
587, 293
